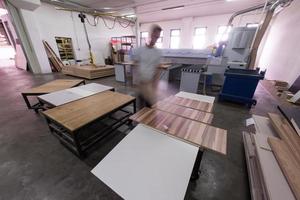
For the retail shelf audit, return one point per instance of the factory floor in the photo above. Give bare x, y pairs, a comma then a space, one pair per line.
34, 165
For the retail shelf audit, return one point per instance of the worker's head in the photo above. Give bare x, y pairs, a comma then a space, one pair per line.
154, 34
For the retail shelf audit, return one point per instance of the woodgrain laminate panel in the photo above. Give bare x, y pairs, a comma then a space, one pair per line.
288, 164
198, 105
81, 112
184, 112
193, 132
287, 134
52, 86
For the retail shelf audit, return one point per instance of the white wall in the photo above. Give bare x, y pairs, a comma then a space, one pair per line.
46, 22
280, 52
53, 23
187, 26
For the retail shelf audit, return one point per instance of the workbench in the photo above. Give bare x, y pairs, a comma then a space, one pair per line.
73, 122
52, 86
141, 166
89, 71
61, 97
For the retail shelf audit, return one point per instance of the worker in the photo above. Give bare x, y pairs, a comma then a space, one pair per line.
147, 58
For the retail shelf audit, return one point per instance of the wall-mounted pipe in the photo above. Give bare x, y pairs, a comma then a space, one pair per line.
260, 6
262, 30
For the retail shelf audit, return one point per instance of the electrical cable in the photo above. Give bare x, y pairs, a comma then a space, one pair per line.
105, 24
122, 24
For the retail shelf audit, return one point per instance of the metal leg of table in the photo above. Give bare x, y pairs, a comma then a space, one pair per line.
204, 84
26, 101
196, 172
134, 106
77, 145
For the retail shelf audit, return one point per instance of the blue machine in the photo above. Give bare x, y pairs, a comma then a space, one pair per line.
240, 85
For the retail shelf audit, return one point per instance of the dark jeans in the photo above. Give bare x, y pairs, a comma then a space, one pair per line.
143, 102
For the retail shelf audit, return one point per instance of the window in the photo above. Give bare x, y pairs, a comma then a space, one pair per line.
223, 33
144, 38
175, 38
252, 25
159, 41
199, 38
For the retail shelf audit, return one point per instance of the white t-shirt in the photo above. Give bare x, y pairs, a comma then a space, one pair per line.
148, 60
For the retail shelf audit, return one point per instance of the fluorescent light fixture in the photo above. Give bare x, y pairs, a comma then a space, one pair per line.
252, 25
174, 8
131, 16
106, 8
3, 12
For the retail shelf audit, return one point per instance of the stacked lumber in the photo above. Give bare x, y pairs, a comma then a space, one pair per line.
189, 103
193, 132
55, 62
287, 151
89, 71
189, 113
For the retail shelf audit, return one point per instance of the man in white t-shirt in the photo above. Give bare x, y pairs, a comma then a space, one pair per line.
148, 60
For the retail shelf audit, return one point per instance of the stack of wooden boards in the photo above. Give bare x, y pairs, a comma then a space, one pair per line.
55, 62
185, 119
89, 71
273, 159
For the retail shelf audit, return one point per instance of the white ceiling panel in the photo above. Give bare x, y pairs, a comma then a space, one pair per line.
151, 10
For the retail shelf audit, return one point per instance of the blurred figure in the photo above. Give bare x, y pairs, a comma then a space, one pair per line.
148, 60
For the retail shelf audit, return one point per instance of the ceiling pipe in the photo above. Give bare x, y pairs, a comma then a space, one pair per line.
260, 6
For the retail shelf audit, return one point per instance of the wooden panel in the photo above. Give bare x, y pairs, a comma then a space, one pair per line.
89, 71
59, 84
288, 163
287, 134
184, 112
193, 132
79, 113
198, 105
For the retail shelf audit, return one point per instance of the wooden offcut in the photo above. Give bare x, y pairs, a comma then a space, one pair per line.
89, 71
52, 86
184, 112
57, 64
78, 113
287, 134
288, 163
196, 133
194, 104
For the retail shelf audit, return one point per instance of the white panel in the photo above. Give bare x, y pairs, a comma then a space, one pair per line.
148, 165
276, 184
197, 97
72, 94
120, 73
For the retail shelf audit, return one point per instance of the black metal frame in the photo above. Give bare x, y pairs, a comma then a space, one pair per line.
71, 140
39, 105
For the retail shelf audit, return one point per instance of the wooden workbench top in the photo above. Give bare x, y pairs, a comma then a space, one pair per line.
93, 67
52, 86
196, 133
194, 104
184, 112
79, 113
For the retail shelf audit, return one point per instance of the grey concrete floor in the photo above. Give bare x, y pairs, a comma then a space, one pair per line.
35, 166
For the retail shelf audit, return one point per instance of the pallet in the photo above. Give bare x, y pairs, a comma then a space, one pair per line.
89, 71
